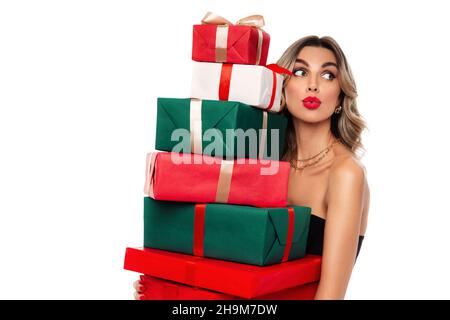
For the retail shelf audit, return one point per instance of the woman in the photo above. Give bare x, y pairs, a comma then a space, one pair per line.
323, 135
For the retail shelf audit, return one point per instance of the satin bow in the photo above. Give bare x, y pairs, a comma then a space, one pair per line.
256, 21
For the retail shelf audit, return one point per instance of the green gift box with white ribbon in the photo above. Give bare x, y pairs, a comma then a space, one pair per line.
225, 129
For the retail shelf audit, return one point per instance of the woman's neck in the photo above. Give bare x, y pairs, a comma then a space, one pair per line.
312, 137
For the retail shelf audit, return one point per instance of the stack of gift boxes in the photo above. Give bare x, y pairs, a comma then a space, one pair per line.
216, 220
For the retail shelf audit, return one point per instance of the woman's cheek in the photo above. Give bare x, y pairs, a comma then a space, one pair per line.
332, 93
291, 95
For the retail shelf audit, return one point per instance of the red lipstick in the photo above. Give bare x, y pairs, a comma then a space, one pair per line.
311, 102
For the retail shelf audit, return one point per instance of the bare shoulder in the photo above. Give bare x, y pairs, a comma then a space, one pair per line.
348, 181
347, 168
348, 187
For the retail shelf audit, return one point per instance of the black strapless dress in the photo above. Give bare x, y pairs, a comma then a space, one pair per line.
315, 238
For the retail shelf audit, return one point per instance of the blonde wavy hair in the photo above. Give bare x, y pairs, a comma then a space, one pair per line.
347, 125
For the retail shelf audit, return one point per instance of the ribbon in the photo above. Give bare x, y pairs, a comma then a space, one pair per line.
225, 81
199, 233
224, 183
195, 126
212, 18
254, 21
275, 69
274, 90
263, 137
259, 48
290, 235
199, 229
221, 43
150, 174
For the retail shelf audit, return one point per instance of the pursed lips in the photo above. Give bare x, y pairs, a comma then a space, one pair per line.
311, 102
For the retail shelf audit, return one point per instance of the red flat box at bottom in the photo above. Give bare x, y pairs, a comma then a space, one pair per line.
236, 279
159, 289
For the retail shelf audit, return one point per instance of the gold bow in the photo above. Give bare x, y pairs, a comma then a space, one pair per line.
256, 20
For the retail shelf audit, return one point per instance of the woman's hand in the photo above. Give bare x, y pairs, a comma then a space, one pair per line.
140, 289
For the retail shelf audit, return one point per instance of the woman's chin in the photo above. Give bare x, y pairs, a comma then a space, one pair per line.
311, 118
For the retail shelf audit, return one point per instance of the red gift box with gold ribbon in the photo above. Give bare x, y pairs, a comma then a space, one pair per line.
202, 179
236, 279
219, 40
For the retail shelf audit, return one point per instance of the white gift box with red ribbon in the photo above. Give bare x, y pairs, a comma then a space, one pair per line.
258, 86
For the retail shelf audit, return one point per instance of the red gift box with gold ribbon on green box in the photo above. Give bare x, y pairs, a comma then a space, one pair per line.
198, 178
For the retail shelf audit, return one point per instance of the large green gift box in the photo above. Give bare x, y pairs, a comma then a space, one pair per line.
205, 124
250, 235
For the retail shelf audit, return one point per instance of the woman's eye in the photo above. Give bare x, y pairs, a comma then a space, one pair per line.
328, 76
300, 73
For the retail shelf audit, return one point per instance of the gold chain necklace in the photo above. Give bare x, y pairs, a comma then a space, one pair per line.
322, 155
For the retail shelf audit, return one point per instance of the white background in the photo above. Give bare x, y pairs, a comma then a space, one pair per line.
78, 88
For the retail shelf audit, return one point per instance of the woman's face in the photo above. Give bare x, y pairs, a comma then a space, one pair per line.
312, 93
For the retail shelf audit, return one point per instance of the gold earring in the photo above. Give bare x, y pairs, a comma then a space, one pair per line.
338, 110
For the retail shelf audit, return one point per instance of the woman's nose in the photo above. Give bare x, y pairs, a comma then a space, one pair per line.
312, 85
313, 88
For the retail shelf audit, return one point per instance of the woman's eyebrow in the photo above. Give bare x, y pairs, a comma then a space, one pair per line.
326, 64
301, 61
